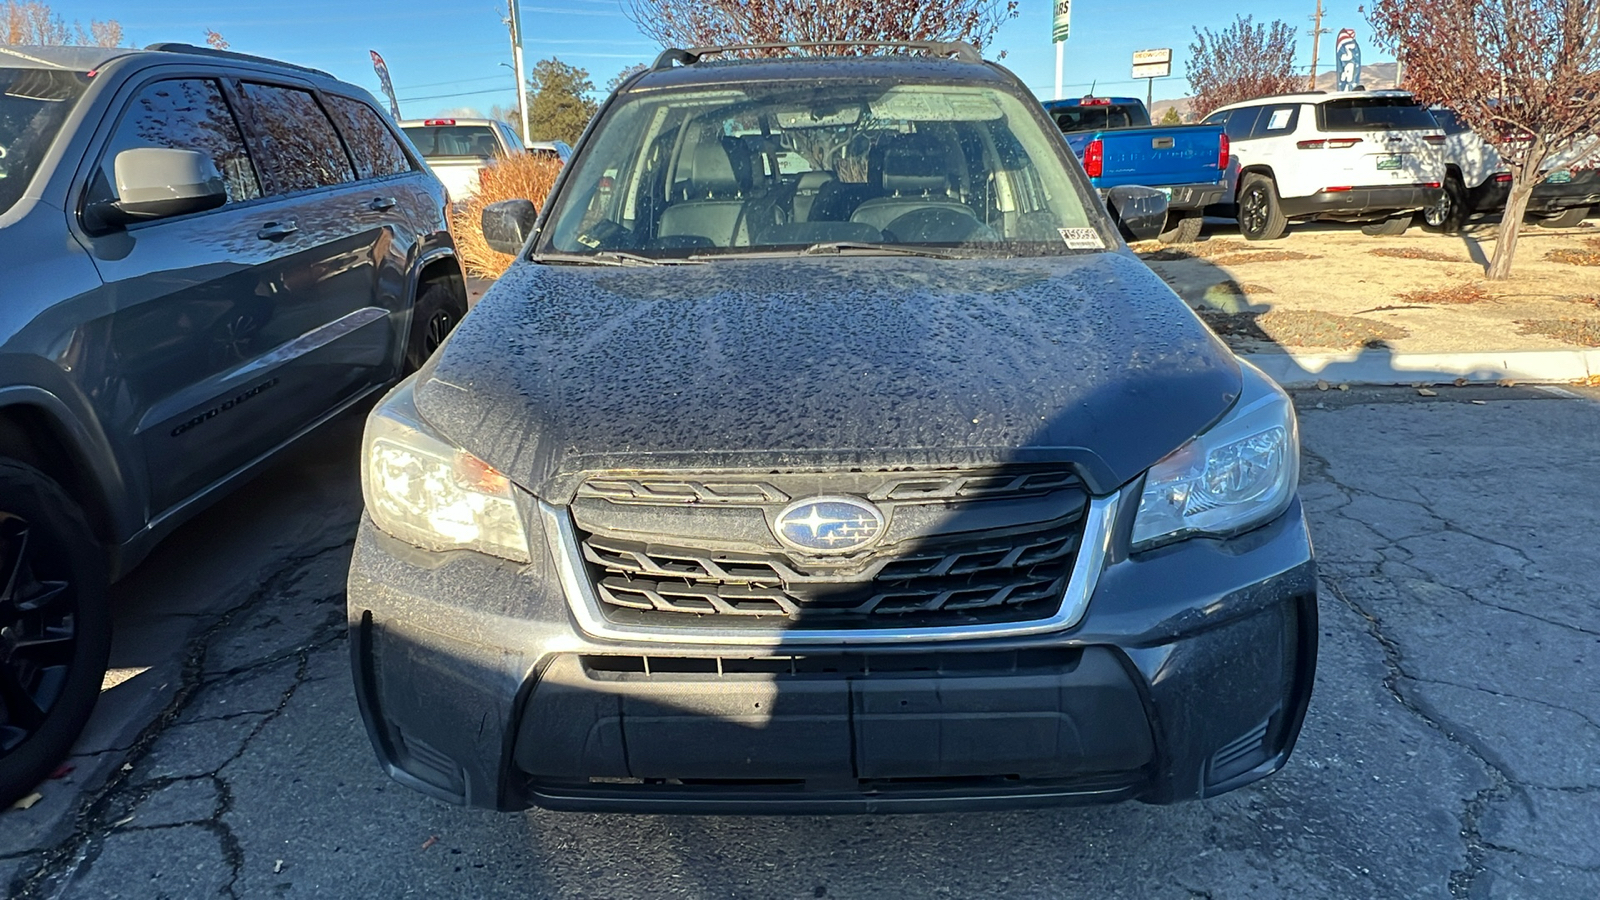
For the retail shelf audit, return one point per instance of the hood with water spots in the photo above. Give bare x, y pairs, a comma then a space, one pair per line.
811, 363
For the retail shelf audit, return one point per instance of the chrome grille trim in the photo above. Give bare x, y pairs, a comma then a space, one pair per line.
1094, 545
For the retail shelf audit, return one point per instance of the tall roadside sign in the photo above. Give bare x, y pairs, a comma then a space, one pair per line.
1150, 65
1348, 54
1059, 29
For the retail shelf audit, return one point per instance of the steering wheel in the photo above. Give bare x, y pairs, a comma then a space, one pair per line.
939, 225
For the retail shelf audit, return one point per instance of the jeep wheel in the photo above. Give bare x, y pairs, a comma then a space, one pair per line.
1449, 212
440, 308
1389, 227
1567, 218
1260, 217
1182, 227
55, 628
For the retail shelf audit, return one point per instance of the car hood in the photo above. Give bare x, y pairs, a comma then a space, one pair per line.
820, 363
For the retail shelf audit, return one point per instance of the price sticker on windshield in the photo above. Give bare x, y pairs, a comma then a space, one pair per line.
1082, 238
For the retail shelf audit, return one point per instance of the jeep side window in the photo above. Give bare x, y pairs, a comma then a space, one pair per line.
376, 151
181, 114
303, 150
1276, 120
1242, 123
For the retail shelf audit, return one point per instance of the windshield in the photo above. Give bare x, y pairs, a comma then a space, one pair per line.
1371, 113
1099, 117
453, 140
787, 166
33, 104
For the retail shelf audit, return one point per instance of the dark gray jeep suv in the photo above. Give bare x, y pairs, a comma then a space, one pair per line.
826, 449
206, 255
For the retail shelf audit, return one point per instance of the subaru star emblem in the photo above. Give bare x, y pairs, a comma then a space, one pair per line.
829, 524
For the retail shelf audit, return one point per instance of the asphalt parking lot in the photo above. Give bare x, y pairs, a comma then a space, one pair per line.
1452, 748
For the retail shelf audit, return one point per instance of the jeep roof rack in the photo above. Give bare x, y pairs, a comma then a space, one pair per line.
179, 47
959, 49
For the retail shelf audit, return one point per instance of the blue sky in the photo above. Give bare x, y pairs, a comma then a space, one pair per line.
445, 55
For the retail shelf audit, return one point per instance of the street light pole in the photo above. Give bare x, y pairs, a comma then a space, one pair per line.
516, 59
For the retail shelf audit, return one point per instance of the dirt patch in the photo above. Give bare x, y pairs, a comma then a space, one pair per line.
1239, 259
1414, 253
1583, 332
1165, 254
1460, 294
1302, 328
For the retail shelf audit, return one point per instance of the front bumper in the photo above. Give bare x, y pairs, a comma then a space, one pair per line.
1361, 202
1188, 676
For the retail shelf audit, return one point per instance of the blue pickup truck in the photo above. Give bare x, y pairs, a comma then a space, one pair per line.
1114, 140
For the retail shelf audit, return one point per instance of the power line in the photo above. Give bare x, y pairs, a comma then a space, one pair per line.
458, 94
416, 87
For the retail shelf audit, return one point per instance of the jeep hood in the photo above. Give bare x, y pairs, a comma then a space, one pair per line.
856, 362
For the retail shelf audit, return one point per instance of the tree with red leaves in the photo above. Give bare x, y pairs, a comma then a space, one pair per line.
1523, 74
705, 23
1242, 62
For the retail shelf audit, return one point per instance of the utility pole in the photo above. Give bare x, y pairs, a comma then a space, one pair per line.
515, 21
1317, 31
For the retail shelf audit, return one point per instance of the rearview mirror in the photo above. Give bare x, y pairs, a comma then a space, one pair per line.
157, 182
507, 224
1140, 212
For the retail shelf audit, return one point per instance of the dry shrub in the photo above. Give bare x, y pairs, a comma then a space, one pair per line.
1235, 259
1461, 293
1414, 253
525, 177
1582, 332
1303, 328
1588, 257
1164, 254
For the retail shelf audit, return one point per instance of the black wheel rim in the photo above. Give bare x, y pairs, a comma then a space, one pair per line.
1253, 211
38, 631
438, 330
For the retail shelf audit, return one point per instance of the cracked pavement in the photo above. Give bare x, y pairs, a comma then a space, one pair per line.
1452, 748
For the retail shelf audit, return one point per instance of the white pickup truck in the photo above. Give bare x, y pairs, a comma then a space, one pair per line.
458, 149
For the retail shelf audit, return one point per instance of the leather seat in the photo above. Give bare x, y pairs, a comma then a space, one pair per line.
806, 192
719, 179
914, 175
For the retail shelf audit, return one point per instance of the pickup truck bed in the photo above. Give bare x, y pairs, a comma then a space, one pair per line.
1119, 147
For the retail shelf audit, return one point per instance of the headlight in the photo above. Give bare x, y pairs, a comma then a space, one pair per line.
428, 492
1239, 474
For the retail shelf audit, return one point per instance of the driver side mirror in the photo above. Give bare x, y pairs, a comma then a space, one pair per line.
507, 224
158, 182
1140, 212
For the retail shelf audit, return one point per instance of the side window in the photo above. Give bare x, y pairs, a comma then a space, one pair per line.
376, 151
1242, 123
513, 142
302, 148
1217, 118
182, 114
1276, 121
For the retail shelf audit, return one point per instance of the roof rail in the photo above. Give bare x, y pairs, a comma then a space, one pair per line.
179, 47
959, 49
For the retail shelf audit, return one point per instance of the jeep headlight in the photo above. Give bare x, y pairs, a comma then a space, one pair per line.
426, 491
1240, 473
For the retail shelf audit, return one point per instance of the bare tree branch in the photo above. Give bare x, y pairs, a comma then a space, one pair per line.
704, 23
1242, 62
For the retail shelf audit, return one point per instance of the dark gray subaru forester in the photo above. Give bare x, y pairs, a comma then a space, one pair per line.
827, 450
205, 255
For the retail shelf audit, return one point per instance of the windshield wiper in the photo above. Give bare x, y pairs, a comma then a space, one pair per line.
839, 247
611, 258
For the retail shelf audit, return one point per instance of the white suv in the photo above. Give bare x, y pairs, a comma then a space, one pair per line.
1476, 180
1350, 156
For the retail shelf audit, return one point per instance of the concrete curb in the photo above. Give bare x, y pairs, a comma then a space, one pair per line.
1386, 367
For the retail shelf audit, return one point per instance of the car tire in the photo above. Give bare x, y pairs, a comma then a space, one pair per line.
56, 623
1567, 218
439, 309
1182, 228
1261, 217
1449, 213
1390, 227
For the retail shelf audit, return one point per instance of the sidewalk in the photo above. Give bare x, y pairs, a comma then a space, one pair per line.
1331, 303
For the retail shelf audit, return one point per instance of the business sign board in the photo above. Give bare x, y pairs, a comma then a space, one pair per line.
1063, 21
1348, 54
1152, 63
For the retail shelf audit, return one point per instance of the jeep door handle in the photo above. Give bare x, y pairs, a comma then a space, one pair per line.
379, 204
275, 230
